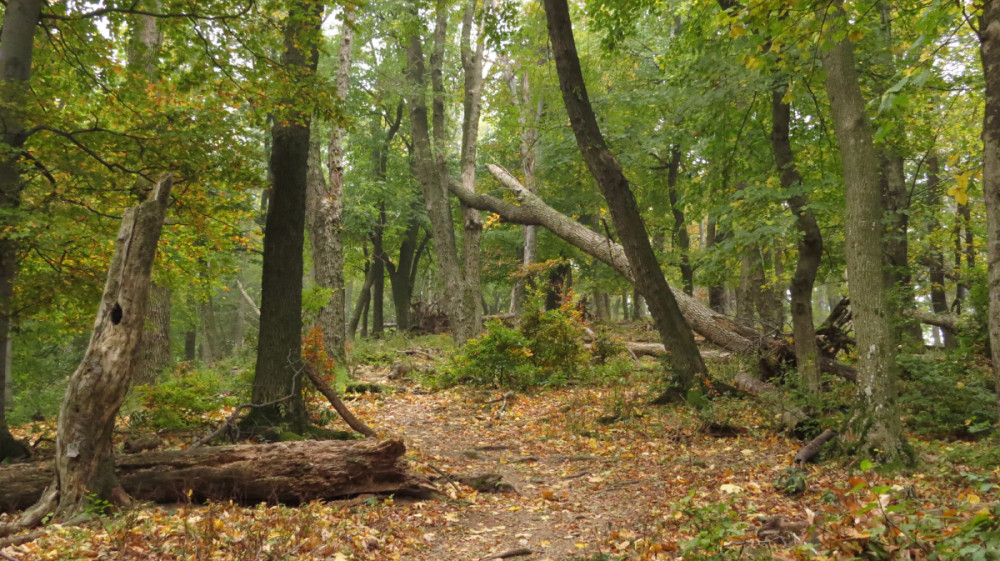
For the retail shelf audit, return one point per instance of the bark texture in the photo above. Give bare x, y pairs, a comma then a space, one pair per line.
935, 258
685, 361
876, 429
810, 242
154, 353
16, 49
84, 464
989, 29
431, 170
280, 339
283, 472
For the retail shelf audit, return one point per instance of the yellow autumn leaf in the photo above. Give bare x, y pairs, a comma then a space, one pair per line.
973, 499
962, 179
855, 35
959, 193
788, 98
737, 31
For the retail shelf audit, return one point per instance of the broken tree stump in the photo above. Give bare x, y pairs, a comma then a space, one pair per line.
283, 472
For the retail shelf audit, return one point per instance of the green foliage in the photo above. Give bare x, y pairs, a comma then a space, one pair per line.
712, 525
501, 358
554, 337
947, 394
183, 400
791, 481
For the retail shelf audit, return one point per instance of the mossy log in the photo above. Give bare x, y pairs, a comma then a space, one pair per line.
283, 472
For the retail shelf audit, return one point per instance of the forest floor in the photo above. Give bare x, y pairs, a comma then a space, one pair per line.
594, 474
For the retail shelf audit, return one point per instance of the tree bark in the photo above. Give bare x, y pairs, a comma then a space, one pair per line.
876, 427
364, 297
681, 240
154, 352
431, 169
472, 67
282, 472
16, 49
211, 349
84, 464
279, 343
935, 258
685, 361
716, 291
810, 242
989, 30
325, 210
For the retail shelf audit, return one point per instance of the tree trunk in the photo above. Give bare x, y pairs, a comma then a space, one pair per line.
935, 258
529, 155
84, 463
989, 29
810, 242
360, 308
154, 350
876, 429
282, 472
211, 349
16, 48
432, 173
378, 279
472, 68
681, 240
403, 274
280, 340
686, 364
715, 327
716, 292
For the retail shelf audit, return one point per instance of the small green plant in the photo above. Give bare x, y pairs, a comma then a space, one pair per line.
947, 395
791, 481
711, 526
555, 339
180, 401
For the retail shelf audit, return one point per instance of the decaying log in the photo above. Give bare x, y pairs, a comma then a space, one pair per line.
717, 328
809, 450
285, 472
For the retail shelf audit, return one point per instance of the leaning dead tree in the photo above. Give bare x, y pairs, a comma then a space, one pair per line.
84, 463
713, 326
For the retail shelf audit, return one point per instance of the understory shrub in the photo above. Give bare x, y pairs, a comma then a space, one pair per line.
181, 400
501, 357
947, 394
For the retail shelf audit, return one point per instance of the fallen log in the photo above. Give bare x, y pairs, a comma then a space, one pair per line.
282, 472
951, 322
717, 328
809, 450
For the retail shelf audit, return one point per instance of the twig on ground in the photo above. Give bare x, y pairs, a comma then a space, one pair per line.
519, 552
8, 557
446, 477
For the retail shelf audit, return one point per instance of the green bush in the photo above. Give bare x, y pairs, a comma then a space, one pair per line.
182, 400
501, 358
947, 395
555, 340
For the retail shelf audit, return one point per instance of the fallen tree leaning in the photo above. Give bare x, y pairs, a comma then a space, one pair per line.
713, 326
284, 472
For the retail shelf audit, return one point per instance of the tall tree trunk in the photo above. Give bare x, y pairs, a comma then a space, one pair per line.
378, 276
521, 90
279, 345
989, 30
716, 291
686, 363
876, 429
810, 242
472, 67
211, 349
681, 240
935, 258
16, 48
325, 209
190, 345
431, 169
155, 356
361, 307
84, 458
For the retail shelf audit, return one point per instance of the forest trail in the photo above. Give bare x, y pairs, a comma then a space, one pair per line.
581, 487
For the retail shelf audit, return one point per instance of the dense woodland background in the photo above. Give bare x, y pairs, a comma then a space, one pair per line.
811, 188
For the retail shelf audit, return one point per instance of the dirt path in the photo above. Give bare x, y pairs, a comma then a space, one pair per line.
580, 487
